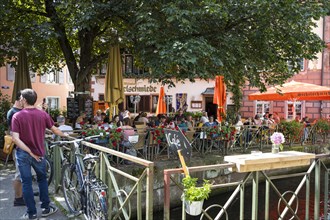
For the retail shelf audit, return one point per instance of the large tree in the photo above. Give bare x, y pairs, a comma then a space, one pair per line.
244, 40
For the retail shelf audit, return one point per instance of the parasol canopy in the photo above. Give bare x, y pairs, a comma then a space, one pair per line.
114, 88
22, 75
219, 97
161, 105
293, 91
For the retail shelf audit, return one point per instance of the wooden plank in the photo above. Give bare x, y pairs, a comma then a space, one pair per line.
268, 161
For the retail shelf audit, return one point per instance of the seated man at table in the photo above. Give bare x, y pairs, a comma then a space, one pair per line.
211, 122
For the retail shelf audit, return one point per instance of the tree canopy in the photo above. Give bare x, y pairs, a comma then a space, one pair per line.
244, 40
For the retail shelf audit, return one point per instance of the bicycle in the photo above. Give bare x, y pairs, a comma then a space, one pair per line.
83, 192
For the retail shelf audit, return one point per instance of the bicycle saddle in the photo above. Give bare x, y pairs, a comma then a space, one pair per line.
90, 157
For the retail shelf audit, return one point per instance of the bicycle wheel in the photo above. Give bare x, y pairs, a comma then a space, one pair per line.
70, 186
49, 170
97, 204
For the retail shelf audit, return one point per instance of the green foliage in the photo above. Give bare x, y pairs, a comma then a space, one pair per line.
290, 129
54, 113
323, 126
197, 114
193, 192
4, 108
251, 42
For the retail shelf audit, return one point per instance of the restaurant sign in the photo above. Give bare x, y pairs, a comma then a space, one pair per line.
140, 88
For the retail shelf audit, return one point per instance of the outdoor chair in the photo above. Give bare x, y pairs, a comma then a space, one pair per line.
140, 128
138, 143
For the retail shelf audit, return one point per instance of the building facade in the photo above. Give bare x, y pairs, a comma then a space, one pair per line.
198, 96
314, 72
195, 96
54, 88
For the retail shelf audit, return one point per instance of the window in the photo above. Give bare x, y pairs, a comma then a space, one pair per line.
10, 73
128, 64
53, 102
53, 77
33, 76
129, 68
262, 107
143, 105
103, 69
301, 63
101, 97
291, 111
69, 79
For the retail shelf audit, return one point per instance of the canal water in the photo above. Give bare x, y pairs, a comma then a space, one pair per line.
283, 185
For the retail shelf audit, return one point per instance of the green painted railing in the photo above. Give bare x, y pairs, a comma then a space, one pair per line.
319, 167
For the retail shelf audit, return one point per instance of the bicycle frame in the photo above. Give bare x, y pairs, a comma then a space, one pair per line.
86, 184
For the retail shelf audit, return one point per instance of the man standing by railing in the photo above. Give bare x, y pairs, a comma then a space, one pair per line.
28, 130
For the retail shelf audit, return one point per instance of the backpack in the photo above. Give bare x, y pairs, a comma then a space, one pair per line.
8, 145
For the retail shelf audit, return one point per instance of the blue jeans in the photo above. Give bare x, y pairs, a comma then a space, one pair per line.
25, 162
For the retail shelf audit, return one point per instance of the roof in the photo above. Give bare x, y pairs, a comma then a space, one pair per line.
208, 91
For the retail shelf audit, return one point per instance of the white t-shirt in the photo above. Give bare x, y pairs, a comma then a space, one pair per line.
65, 129
204, 119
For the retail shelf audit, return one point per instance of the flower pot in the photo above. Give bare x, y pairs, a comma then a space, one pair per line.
275, 148
194, 208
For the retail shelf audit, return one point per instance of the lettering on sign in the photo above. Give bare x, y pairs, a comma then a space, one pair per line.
177, 141
140, 88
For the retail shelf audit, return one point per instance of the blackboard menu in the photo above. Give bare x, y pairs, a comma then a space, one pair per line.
176, 140
89, 108
72, 108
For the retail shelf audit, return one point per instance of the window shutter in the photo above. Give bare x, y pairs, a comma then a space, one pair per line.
10, 73
33, 76
61, 77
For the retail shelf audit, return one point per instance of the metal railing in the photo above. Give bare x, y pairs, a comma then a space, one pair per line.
317, 167
118, 193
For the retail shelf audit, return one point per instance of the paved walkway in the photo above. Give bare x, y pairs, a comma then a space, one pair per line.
8, 211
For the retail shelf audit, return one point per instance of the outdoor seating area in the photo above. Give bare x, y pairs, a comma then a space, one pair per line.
150, 142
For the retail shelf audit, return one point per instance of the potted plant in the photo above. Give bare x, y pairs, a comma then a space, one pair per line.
194, 195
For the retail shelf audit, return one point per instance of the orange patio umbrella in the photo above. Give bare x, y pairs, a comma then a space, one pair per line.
293, 91
219, 97
161, 105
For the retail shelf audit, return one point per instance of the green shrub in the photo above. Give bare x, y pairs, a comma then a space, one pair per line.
322, 126
5, 105
291, 130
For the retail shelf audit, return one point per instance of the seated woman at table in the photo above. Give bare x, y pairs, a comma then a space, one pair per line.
127, 131
143, 118
257, 120
115, 123
238, 123
190, 123
80, 121
248, 135
182, 124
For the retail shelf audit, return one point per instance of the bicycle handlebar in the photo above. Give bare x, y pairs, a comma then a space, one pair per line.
73, 141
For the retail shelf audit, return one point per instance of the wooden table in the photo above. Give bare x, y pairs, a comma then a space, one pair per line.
256, 162
269, 161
